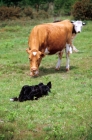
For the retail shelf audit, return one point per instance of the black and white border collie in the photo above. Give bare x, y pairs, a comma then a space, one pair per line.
32, 92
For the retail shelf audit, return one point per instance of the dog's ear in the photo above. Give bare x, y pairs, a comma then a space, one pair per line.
49, 84
40, 84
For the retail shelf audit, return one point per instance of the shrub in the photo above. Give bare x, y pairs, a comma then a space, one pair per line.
8, 12
82, 10
23, 13
41, 14
28, 12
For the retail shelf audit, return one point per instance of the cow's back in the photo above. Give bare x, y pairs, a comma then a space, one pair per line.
51, 36
69, 27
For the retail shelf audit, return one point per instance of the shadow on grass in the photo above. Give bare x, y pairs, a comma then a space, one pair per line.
51, 70
25, 69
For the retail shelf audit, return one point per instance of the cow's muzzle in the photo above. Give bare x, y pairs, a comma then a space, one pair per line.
33, 68
34, 73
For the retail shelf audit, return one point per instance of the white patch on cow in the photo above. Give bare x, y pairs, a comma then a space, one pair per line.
70, 49
46, 51
59, 60
78, 26
67, 48
34, 53
58, 64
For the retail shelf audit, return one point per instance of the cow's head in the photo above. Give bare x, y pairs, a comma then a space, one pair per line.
78, 25
35, 57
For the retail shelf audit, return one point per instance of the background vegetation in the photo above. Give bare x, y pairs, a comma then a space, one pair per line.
66, 114
11, 9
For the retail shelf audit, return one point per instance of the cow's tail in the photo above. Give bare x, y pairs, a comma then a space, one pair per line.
14, 99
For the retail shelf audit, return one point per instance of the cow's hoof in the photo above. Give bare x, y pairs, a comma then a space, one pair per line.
57, 68
32, 75
67, 69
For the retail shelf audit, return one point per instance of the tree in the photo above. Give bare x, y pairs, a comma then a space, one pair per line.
63, 5
11, 2
82, 9
25, 2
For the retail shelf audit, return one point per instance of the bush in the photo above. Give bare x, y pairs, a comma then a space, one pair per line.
15, 12
41, 14
23, 13
28, 12
8, 12
82, 10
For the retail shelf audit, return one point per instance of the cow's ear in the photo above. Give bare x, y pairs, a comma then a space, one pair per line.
28, 51
42, 54
72, 21
83, 23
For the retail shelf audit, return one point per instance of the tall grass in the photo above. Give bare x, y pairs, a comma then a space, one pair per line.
66, 114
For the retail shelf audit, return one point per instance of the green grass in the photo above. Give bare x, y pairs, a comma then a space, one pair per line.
66, 114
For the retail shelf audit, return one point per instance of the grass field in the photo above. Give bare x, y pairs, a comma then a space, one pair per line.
66, 114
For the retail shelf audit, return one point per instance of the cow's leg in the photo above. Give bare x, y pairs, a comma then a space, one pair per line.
73, 47
67, 56
59, 60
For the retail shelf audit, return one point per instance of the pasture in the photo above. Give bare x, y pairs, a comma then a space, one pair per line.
66, 114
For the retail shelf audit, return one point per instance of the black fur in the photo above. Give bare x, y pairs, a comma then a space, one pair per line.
57, 21
73, 31
32, 92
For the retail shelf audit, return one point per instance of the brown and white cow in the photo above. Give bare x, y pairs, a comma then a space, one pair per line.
49, 39
77, 26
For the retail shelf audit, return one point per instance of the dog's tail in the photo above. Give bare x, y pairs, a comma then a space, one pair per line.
14, 99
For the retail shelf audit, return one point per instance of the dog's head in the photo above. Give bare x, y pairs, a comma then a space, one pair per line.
45, 88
